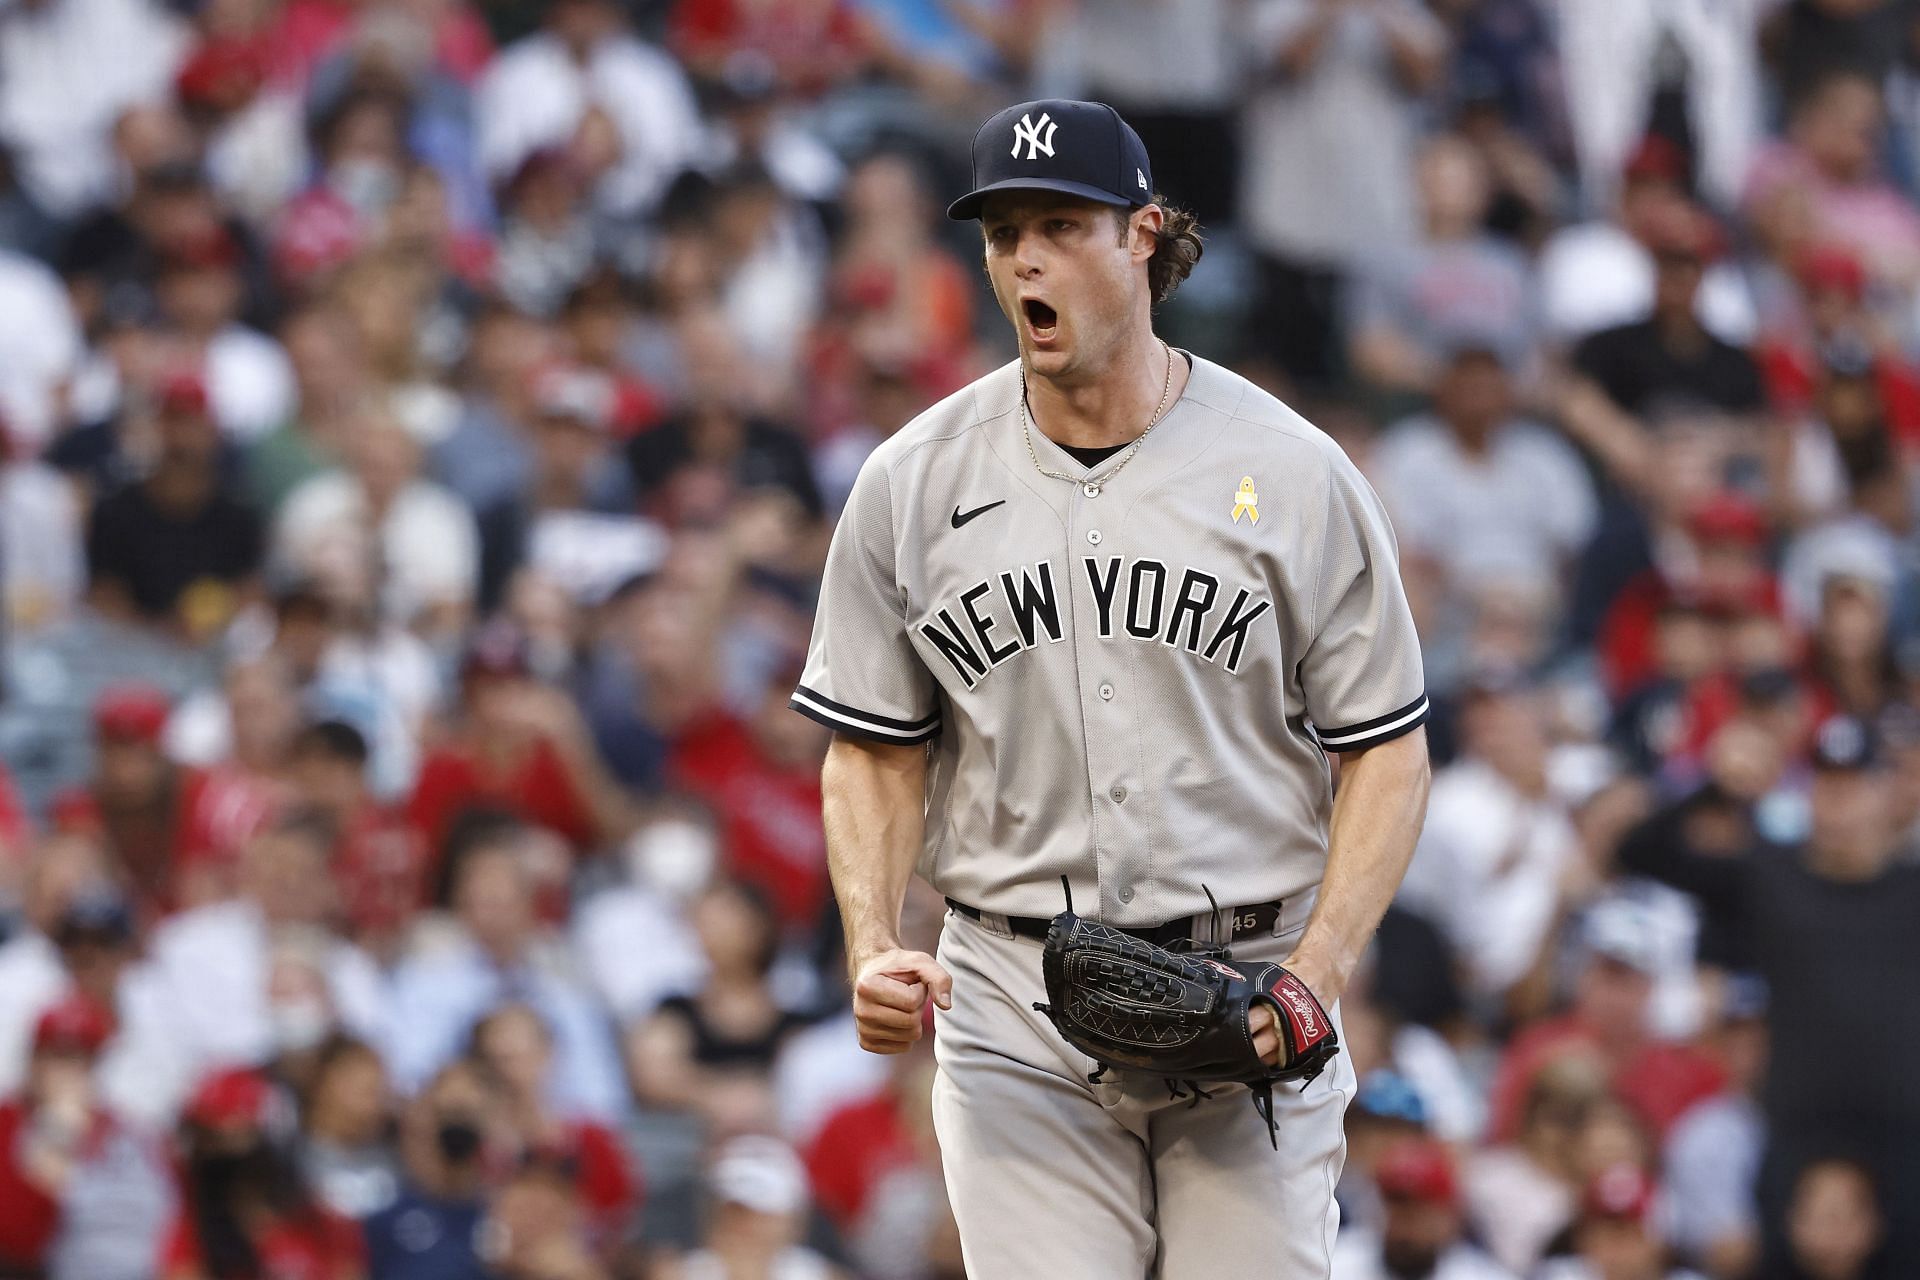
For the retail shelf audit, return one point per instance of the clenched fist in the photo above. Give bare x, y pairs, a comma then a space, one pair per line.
890, 990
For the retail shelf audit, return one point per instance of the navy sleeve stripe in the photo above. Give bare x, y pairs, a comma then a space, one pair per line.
843, 719
1377, 730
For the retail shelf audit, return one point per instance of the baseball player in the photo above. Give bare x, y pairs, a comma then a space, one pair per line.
1088, 629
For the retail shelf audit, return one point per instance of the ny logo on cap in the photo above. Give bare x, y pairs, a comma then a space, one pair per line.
1029, 132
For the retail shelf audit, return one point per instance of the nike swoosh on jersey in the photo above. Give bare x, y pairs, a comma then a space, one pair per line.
960, 517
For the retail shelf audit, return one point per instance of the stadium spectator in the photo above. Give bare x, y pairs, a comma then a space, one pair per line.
1830, 156
246, 1211
344, 1115
731, 1029
537, 92
1485, 496
431, 1231
1333, 106
1835, 1225
1712, 1156
875, 1171
1609, 1018
1615, 1236
1845, 900
379, 508
1600, 273
515, 1045
496, 947
87, 1195
1494, 823
1412, 303
1422, 1230
180, 548
521, 747
261, 975
758, 1191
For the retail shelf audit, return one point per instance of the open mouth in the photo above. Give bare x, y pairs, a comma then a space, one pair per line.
1041, 318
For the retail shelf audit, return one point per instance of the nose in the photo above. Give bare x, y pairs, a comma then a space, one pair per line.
1026, 256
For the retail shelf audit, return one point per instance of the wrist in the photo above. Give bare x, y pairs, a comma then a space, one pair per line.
862, 950
1324, 977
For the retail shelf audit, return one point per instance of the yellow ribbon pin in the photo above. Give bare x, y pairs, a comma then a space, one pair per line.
1246, 501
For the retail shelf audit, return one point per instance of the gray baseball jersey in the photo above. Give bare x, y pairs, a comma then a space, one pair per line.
1130, 683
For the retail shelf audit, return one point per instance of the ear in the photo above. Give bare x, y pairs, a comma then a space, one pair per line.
1143, 231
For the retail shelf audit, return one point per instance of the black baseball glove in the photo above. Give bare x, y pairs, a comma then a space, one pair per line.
1179, 1012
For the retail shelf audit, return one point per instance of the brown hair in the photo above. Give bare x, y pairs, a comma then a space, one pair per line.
1180, 247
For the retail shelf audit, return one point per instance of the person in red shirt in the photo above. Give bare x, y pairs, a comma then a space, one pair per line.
380, 862
1723, 573
246, 1212
762, 779
1658, 1080
229, 802
81, 1194
521, 746
1835, 316
515, 1044
875, 1170
42, 1129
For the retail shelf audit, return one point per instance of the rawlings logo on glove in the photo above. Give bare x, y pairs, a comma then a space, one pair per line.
1178, 1012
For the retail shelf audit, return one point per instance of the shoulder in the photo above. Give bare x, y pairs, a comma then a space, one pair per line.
1258, 418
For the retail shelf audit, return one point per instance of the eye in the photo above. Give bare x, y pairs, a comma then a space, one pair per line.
999, 235
1060, 224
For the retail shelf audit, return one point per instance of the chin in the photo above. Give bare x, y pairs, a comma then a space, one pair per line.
1049, 362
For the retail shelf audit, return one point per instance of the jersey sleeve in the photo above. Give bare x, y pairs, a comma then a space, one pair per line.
1361, 673
863, 677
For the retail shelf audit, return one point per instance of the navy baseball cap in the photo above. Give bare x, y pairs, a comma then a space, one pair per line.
1057, 144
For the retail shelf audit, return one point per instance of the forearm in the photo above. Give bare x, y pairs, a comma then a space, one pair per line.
1377, 814
873, 802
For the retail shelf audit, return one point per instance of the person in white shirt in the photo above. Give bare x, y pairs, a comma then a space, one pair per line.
67, 70
215, 965
1487, 496
536, 93
1497, 841
424, 535
40, 346
494, 949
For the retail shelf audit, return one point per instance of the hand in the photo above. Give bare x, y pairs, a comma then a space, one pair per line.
1266, 1034
889, 991
1261, 1020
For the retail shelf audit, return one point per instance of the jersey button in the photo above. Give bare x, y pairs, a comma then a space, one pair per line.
1093, 536
1126, 895
1106, 692
1119, 795
1091, 490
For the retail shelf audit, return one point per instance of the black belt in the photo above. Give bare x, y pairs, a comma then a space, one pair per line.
1245, 922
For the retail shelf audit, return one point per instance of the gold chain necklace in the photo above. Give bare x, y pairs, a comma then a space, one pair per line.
1094, 483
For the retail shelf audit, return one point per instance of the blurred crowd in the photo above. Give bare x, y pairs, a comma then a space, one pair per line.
423, 421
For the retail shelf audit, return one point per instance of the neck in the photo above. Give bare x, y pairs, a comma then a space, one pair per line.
1113, 406
179, 486
1681, 330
